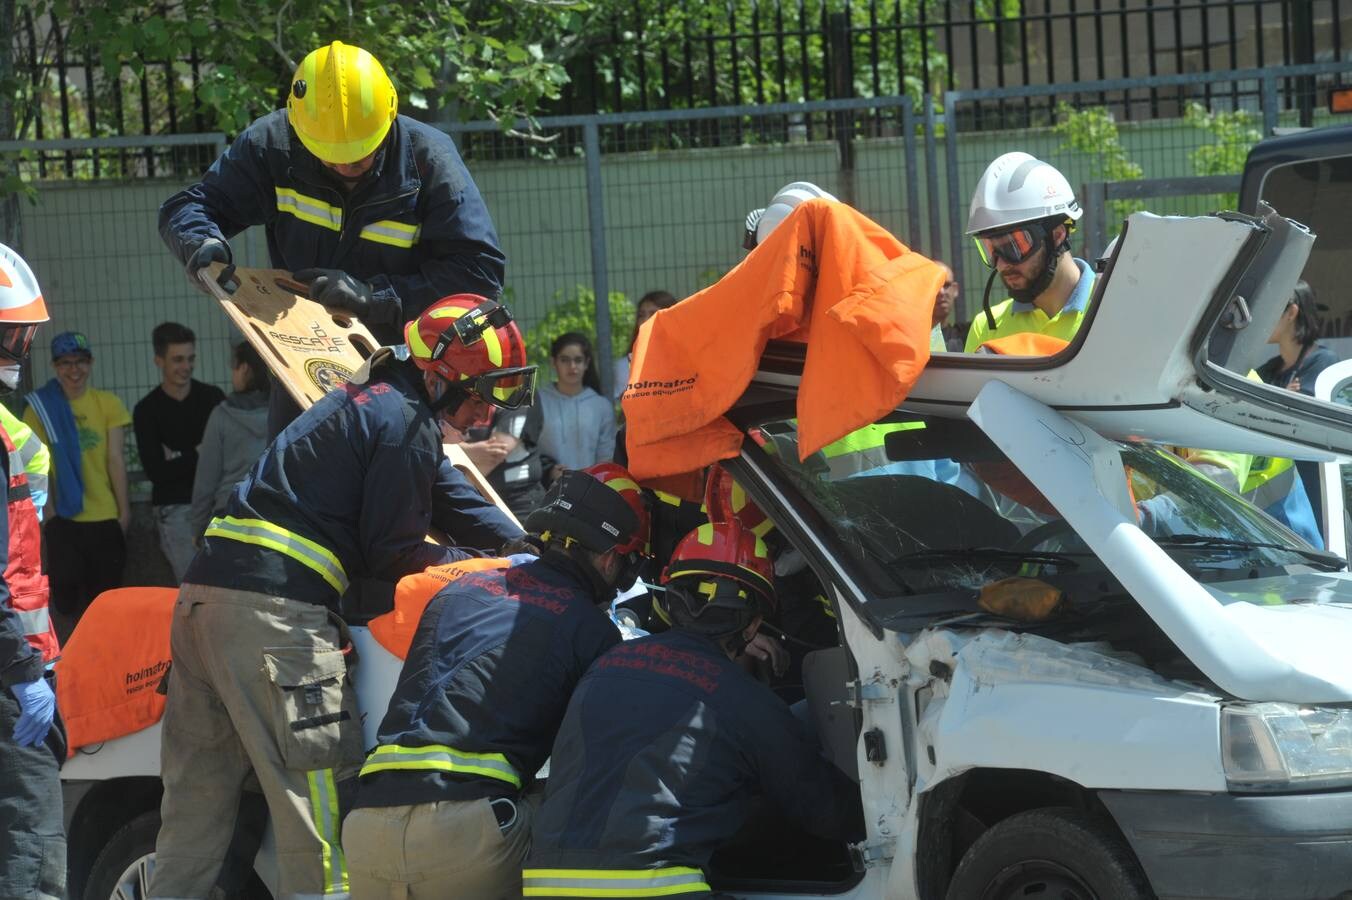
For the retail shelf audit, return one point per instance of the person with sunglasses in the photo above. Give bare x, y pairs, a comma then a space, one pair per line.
345, 494
1022, 214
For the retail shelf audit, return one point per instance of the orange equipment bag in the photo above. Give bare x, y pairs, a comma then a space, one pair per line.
110, 668
394, 630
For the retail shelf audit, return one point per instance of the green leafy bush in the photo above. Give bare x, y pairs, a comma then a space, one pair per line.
575, 310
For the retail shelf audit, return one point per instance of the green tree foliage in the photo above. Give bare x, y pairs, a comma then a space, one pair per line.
450, 58
575, 310
1092, 131
1232, 135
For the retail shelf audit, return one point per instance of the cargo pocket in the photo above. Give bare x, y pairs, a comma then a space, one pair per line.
314, 724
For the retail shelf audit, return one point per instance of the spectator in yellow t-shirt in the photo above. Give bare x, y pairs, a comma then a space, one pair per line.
84, 429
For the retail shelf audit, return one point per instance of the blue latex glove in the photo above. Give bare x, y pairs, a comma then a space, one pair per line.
38, 704
520, 559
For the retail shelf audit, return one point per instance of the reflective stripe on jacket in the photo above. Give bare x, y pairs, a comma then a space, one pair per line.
493, 662
661, 882
36, 459
275, 537
416, 229
20, 661
23, 571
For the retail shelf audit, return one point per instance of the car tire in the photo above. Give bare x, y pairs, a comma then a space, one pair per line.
124, 865
1049, 854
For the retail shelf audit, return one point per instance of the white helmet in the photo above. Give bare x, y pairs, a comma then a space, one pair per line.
21, 300
1019, 188
760, 222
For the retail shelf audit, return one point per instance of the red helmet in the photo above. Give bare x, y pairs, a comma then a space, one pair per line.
472, 342
725, 551
617, 478
726, 501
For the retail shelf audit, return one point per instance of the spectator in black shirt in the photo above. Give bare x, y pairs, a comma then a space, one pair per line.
169, 422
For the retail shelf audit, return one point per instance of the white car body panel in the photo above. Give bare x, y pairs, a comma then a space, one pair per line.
1018, 701
1102, 722
129, 756
1295, 654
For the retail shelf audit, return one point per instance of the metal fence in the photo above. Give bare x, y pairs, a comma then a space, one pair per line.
620, 204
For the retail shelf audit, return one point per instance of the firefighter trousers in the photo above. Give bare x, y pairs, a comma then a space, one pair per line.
258, 684
32, 838
448, 850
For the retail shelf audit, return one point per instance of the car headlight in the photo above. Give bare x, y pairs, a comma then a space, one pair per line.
1283, 747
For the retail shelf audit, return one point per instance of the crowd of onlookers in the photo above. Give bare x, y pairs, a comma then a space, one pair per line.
195, 441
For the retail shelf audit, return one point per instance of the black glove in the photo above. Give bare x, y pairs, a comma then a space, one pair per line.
209, 251
527, 543
337, 290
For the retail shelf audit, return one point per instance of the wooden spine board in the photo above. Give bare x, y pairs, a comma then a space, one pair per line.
297, 317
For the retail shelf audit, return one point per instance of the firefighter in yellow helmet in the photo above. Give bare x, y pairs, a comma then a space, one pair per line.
375, 212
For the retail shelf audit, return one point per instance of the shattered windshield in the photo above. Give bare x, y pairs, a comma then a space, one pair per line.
927, 505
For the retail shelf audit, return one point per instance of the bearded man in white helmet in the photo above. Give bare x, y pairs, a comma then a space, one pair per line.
1021, 216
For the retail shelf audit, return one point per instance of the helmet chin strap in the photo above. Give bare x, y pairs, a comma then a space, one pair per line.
986, 300
1044, 279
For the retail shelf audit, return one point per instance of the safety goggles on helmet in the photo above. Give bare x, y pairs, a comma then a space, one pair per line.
1013, 246
470, 327
503, 388
16, 340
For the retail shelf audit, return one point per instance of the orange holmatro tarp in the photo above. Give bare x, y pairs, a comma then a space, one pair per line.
828, 277
108, 676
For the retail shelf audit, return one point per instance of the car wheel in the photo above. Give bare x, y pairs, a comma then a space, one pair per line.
123, 867
1049, 854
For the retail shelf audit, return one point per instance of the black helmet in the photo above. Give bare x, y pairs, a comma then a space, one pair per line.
579, 506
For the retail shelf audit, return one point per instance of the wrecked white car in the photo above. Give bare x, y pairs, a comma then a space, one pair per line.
1176, 723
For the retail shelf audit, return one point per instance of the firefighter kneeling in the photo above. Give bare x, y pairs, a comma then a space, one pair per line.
441, 809
667, 738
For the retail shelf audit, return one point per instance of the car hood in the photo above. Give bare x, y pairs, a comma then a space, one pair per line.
1279, 639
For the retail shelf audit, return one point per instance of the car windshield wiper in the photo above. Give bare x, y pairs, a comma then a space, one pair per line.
1211, 542
999, 554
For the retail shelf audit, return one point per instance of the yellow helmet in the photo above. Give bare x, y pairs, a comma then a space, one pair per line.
341, 103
